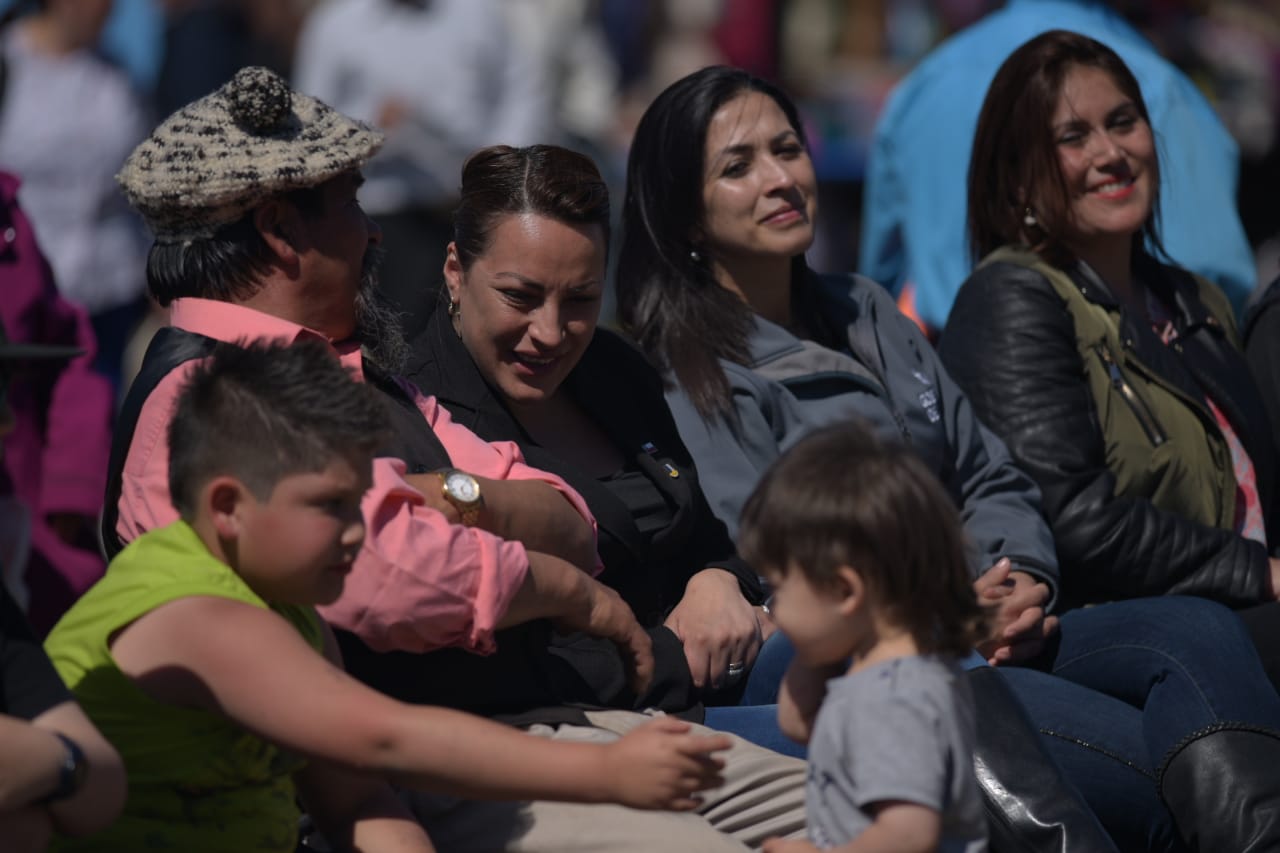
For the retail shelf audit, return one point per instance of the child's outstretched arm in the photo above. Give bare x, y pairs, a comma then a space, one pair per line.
800, 697
899, 827
252, 666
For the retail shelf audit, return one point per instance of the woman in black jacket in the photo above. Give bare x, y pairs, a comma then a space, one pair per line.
516, 356
1115, 380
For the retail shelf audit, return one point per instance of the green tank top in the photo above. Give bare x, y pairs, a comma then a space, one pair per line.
197, 781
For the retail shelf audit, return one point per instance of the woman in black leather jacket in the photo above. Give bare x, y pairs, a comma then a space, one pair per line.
1115, 380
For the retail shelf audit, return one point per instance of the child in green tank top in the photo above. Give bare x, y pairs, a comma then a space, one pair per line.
200, 656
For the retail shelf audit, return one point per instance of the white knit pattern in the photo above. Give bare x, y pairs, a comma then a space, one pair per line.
218, 157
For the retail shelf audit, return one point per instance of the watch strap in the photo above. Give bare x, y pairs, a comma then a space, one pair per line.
72, 771
468, 511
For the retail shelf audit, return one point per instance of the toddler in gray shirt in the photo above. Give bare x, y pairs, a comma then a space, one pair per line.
864, 550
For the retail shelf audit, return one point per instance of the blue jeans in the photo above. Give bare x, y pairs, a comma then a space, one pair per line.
1119, 686
755, 717
1130, 680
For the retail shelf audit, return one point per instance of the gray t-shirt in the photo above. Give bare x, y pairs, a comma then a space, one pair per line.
898, 730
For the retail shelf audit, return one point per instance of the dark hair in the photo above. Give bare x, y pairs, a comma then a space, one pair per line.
262, 411
840, 497
544, 179
668, 300
1014, 164
227, 266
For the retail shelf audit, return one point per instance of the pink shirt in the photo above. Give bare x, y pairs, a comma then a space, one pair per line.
419, 582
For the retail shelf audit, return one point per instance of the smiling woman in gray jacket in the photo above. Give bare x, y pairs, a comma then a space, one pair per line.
720, 208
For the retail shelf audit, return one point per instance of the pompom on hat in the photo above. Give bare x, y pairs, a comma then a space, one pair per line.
219, 157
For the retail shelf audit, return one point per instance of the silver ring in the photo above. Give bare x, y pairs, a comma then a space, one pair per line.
735, 670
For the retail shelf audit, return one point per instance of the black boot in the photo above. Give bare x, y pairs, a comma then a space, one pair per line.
1222, 785
1030, 807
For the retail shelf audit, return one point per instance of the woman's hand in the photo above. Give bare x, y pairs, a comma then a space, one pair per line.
1015, 604
717, 626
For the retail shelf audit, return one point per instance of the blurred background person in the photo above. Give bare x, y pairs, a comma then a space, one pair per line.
566, 38
440, 78
67, 119
205, 42
54, 469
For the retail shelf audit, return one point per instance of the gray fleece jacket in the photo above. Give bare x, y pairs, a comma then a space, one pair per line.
884, 371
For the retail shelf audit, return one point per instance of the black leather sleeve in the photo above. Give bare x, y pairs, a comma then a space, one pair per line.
1010, 344
1262, 347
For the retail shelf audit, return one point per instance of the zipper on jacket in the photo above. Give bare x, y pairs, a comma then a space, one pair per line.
1148, 422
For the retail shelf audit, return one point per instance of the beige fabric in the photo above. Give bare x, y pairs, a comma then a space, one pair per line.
220, 156
763, 796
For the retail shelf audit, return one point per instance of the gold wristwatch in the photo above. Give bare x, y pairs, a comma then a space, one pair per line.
463, 491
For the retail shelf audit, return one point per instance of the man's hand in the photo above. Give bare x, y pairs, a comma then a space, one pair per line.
609, 616
717, 627
662, 765
1015, 605
572, 600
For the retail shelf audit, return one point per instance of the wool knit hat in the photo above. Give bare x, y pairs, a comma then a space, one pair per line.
220, 156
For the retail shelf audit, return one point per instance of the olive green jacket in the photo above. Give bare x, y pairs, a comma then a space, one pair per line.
1135, 473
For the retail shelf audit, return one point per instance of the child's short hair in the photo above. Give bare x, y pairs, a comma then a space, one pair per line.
262, 411
840, 497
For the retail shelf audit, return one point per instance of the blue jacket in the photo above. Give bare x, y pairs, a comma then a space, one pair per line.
913, 215
875, 365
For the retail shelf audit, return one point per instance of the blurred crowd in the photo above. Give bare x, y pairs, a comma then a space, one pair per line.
82, 81
446, 77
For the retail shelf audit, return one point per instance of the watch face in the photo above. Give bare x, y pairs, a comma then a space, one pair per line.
463, 487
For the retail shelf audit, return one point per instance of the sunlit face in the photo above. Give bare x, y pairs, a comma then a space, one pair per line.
527, 308
1107, 156
298, 546
759, 194
815, 619
337, 241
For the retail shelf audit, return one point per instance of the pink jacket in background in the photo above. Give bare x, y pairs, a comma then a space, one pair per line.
55, 460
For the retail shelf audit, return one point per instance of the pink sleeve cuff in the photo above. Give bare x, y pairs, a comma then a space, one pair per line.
496, 460
420, 582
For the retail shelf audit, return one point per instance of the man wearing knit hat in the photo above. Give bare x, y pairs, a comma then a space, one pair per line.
251, 195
